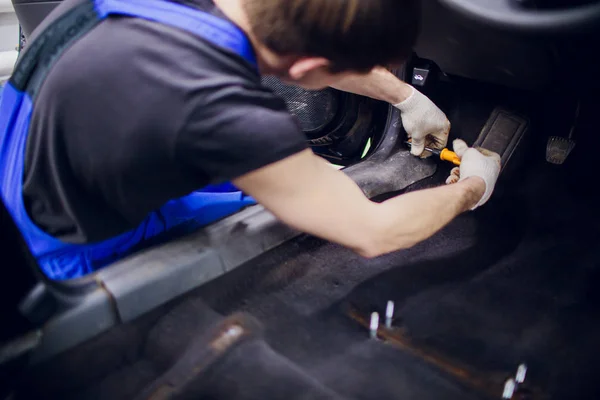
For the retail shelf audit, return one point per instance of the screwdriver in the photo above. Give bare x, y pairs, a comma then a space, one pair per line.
443, 154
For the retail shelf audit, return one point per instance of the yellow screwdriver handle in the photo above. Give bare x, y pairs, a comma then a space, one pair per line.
447, 155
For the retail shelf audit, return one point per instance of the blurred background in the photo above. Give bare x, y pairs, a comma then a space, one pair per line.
9, 39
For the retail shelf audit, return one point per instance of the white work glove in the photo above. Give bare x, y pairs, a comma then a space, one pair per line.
424, 123
476, 162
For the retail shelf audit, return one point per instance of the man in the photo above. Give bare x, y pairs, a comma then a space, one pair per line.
141, 103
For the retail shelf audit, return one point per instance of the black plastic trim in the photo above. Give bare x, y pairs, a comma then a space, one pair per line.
510, 15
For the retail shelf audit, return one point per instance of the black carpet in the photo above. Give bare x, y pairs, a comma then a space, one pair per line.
512, 282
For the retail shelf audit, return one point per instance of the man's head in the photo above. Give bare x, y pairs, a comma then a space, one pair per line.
323, 39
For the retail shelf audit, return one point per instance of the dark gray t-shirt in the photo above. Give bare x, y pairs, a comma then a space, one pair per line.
137, 113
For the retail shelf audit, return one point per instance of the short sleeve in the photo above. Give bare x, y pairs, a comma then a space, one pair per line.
235, 130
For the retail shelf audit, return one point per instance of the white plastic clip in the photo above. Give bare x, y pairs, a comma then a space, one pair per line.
374, 325
509, 389
521, 373
389, 314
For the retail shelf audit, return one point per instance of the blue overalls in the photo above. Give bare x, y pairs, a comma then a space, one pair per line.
61, 260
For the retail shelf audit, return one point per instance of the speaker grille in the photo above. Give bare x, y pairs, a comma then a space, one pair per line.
314, 109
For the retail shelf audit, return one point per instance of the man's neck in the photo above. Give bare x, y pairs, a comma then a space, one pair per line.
268, 62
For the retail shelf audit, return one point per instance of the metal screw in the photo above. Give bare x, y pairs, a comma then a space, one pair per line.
389, 314
374, 325
509, 389
521, 373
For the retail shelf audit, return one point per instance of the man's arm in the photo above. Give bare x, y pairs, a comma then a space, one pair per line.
379, 84
423, 121
307, 194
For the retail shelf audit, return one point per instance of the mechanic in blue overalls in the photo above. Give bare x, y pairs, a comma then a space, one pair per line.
127, 120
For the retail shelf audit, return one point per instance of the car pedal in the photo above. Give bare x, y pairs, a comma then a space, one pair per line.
502, 133
558, 149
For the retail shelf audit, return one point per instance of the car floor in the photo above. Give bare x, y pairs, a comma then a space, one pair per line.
512, 282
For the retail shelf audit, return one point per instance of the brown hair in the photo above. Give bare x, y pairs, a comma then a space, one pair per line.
353, 34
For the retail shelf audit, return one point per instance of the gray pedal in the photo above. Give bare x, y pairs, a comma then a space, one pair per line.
558, 149
502, 133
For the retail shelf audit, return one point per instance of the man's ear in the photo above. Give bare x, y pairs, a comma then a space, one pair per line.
303, 66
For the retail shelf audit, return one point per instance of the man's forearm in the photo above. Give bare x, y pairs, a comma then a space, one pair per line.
379, 84
307, 194
406, 220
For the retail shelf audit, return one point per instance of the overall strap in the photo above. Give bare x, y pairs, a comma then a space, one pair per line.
209, 27
40, 56
42, 53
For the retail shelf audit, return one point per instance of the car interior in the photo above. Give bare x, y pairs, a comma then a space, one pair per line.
501, 303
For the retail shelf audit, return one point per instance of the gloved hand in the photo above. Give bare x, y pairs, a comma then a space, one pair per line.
424, 123
476, 162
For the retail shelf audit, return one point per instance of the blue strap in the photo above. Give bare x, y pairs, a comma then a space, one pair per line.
216, 30
174, 219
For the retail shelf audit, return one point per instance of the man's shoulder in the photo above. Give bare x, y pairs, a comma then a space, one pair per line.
143, 43
135, 53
